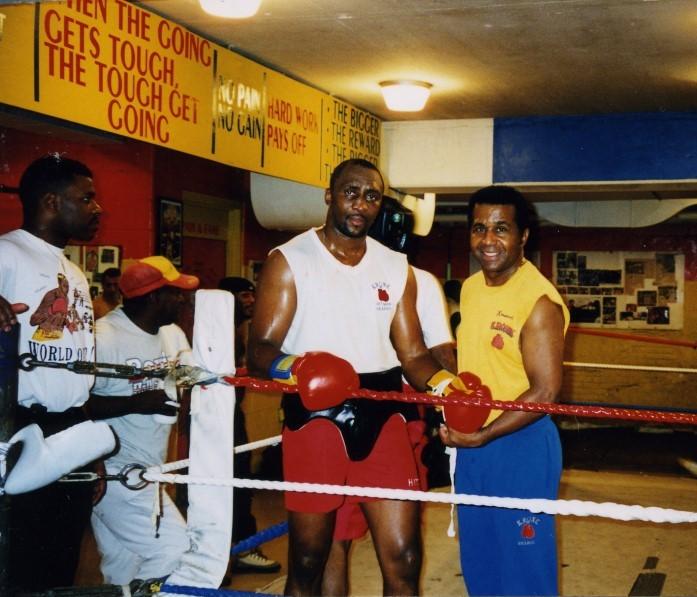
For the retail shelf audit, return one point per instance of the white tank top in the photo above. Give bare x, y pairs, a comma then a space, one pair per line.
431, 309
342, 309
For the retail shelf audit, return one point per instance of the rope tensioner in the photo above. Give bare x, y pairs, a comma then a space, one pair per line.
28, 363
123, 476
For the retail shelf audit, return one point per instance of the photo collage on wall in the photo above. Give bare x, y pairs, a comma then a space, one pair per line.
94, 260
622, 289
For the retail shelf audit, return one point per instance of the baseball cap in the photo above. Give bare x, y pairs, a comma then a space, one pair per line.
234, 284
151, 273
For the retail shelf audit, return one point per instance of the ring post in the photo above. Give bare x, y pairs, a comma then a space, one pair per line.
9, 342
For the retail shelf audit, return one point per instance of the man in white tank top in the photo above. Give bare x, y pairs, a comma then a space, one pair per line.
333, 290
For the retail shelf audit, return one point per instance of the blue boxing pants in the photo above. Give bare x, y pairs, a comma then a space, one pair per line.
503, 551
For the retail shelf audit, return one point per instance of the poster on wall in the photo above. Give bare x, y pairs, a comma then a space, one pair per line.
641, 290
94, 261
169, 235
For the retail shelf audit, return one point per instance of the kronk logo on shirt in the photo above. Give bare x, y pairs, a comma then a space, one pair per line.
498, 341
527, 529
382, 296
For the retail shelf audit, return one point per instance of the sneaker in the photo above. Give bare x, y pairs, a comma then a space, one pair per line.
689, 465
254, 561
146, 588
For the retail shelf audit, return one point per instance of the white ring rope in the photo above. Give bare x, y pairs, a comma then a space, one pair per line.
262, 443
563, 507
180, 464
630, 367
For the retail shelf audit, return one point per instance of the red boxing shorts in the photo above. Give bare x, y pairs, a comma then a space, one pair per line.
316, 453
350, 521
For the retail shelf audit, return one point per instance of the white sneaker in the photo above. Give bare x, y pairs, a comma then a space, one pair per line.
255, 561
689, 465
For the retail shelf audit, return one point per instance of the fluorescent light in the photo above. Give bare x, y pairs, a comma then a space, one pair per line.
232, 9
405, 96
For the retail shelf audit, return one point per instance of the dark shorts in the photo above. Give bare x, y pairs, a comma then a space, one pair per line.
316, 453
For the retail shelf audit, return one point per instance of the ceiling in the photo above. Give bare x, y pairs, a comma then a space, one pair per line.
485, 58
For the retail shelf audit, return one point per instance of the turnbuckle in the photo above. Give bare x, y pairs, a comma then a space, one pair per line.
123, 477
27, 363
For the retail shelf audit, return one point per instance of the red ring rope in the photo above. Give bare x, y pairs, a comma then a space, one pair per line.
633, 337
598, 412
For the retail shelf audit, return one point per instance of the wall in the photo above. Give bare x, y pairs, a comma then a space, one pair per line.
122, 177
445, 244
258, 241
629, 387
176, 172
128, 176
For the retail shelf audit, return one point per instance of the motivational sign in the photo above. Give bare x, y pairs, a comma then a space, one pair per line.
114, 66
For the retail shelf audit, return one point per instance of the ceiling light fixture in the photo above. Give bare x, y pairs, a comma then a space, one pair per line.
405, 95
231, 9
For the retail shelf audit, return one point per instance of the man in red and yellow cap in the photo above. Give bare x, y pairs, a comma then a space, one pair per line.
141, 333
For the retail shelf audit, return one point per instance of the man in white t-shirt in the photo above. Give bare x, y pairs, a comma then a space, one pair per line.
140, 333
48, 297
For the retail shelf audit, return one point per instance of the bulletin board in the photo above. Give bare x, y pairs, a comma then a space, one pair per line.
622, 289
94, 260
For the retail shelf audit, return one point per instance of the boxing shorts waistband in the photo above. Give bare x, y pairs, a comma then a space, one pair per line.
359, 420
49, 422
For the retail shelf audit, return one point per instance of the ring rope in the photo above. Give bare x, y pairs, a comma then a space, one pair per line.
633, 337
455, 399
203, 592
268, 534
261, 443
167, 467
564, 507
630, 367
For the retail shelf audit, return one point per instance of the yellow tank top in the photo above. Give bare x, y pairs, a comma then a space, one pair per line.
488, 338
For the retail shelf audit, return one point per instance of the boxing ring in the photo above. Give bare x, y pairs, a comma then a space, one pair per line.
211, 479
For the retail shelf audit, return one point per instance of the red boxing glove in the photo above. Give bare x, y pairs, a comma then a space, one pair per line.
468, 419
465, 419
323, 379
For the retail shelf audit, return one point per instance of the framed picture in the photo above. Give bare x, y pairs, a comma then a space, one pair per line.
170, 221
253, 270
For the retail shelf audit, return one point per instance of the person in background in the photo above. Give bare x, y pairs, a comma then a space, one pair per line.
48, 297
452, 295
244, 524
141, 333
512, 337
110, 298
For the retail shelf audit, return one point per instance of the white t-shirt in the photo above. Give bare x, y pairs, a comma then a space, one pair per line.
59, 325
342, 309
431, 309
142, 438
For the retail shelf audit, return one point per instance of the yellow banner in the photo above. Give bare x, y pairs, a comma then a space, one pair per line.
114, 66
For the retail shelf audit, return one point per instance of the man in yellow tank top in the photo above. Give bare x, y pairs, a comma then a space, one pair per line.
511, 335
